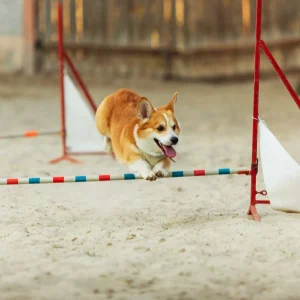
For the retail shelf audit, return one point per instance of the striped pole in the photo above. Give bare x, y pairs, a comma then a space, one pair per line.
89, 178
29, 134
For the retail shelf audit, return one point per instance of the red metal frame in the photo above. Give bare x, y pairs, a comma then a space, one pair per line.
260, 44
280, 72
63, 56
65, 155
80, 82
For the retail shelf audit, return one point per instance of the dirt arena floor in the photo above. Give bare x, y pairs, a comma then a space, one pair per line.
175, 239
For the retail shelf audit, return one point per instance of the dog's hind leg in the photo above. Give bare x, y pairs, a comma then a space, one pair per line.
107, 145
102, 123
102, 117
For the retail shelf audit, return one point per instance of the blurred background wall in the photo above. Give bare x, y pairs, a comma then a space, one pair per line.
184, 39
11, 35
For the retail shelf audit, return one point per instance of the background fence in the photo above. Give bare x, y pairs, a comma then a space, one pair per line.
164, 26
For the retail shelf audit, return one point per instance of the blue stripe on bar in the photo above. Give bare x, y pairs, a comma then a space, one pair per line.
80, 178
224, 171
129, 176
34, 180
177, 174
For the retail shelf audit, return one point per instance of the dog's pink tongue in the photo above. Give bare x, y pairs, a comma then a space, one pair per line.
169, 151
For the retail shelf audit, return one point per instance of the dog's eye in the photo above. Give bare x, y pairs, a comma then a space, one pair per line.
160, 128
174, 127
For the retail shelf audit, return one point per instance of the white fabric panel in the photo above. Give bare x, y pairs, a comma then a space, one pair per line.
280, 171
81, 132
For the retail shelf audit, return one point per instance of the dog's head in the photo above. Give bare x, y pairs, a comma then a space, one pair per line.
158, 130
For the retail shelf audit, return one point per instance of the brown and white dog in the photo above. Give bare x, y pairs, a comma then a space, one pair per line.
140, 135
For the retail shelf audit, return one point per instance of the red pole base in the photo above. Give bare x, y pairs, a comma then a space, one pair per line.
64, 157
253, 212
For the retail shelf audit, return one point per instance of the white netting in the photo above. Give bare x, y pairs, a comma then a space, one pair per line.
82, 135
280, 171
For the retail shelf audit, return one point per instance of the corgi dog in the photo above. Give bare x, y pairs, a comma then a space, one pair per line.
138, 134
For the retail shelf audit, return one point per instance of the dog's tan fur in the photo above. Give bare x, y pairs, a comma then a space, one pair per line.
128, 122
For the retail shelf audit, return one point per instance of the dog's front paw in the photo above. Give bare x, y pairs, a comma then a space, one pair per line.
159, 174
150, 176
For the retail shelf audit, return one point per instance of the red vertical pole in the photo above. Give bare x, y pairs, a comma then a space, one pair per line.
254, 166
61, 85
61, 74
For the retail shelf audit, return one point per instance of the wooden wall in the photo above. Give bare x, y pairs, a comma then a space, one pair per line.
161, 37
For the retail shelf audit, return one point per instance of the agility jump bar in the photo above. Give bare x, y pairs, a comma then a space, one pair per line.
129, 176
29, 134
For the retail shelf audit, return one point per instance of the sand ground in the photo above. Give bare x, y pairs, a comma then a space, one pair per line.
173, 239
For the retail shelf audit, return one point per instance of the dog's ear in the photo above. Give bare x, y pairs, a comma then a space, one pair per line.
144, 109
171, 105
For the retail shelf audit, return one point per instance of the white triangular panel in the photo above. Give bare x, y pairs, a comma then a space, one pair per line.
280, 171
82, 135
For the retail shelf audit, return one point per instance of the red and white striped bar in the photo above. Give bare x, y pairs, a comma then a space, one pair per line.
129, 176
29, 134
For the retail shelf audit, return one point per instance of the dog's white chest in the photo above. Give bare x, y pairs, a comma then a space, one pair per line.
152, 160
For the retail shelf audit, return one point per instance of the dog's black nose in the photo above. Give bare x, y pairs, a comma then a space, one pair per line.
174, 140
